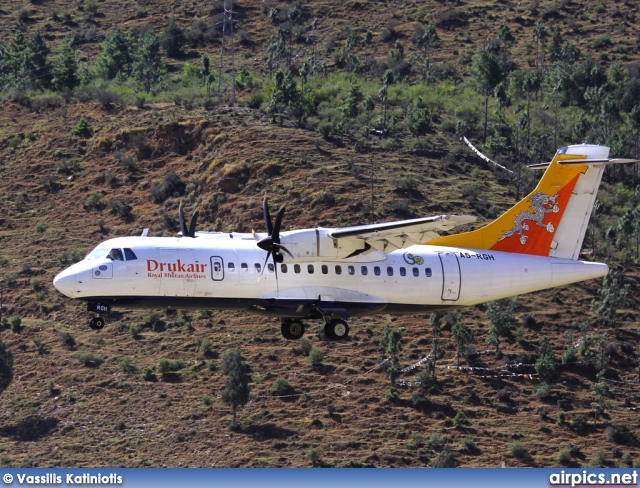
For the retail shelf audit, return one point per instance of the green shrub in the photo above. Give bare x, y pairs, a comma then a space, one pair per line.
42, 227
416, 441
152, 319
126, 365
316, 356
36, 283
305, 346
41, 347
134, 330
564, 456
82, 128
166, 366
459, 420
148, 374
206, 347
94, 201
598, 459
469, 445
314, 457
281, 387
67, 340
518, 450
16, 323
89, 359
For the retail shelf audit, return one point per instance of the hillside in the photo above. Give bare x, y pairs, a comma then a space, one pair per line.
80, 397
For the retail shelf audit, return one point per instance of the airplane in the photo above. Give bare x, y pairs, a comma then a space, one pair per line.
332, 274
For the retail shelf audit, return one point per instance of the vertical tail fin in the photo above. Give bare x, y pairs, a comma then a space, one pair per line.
552, 219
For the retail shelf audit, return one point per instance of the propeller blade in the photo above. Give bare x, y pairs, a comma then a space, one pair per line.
183, 226
275, 235
192, 225
267, 217
279, 247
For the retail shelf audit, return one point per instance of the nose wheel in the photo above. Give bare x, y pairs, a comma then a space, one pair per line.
96, 323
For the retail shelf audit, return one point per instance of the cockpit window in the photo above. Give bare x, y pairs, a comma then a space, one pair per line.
129, 254
115, 254
98, 253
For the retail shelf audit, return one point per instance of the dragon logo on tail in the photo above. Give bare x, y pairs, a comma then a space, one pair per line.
541, 204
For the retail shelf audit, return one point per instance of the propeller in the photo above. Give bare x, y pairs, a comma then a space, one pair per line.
271, 243
191, 231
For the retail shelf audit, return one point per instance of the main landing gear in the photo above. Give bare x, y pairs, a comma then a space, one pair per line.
334, 329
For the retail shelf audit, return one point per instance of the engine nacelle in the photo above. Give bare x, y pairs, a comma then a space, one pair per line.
314, 244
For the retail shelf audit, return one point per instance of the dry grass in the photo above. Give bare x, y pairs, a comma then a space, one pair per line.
109, 415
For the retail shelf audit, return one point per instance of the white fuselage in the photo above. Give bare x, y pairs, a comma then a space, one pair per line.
225, 271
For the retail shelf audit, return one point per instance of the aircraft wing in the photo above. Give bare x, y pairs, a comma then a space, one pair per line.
389, 236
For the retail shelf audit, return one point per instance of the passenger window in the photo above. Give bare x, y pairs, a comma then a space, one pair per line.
310, 268
244, 267
389, 271
129, 254
217, 267
231, 267
352, 270
283, 268
296, 268
416, 272
403, 271
115, 255
325, 269
257, 266
376, 270
427, 271
338, 269
364, 270
270, 267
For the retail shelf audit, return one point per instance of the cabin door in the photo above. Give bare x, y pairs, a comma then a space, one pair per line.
450, 276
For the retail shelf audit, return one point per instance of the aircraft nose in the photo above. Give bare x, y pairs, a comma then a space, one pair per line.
65, 283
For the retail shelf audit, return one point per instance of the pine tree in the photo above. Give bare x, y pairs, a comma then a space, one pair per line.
172, 39
147, 62
6, 367
236, 388
600, 391
462, 336
115, 57
613, 295
18, 60
546, 363
487, 75
501, 320
64, 68
37, 51
418, 119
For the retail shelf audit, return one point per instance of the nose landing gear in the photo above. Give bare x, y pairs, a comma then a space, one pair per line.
97, 322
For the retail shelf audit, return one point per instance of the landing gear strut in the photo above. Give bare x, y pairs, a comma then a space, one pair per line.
292, 329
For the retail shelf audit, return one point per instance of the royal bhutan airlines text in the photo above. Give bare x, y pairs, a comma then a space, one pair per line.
177, 269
